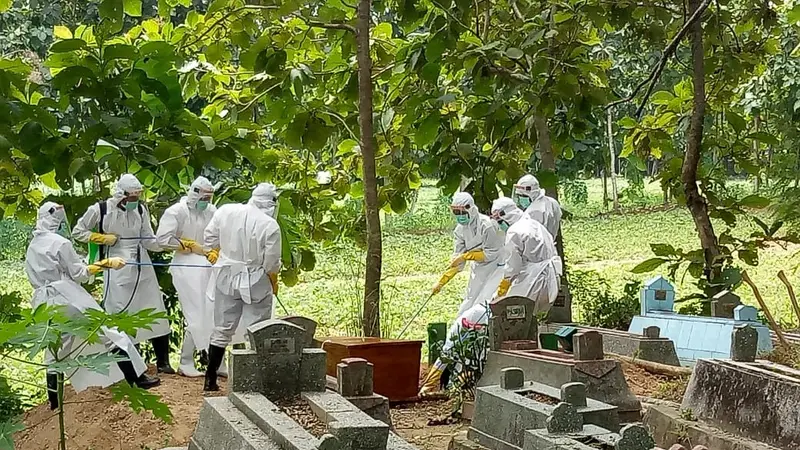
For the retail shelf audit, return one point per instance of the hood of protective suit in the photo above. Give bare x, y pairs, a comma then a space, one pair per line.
528, 186
49, 218
265, 198
507, 209
127, 183
464, 199
194, 194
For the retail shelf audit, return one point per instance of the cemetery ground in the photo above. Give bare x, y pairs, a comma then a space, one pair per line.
417, 248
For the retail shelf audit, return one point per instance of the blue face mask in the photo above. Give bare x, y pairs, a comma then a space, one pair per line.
523, 202
202, 205
130, 206
462, 219
504, 225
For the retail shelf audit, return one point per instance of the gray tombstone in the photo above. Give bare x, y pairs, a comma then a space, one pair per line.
512, 319
653, 332
634, 437
354, 377
309, 325
744, 343
588, 346
277, 364
723, 304
564, 419
574, 394
512, 378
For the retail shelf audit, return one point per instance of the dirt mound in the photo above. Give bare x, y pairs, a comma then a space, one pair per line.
94, 422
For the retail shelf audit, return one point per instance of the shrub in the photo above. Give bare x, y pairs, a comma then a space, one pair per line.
15, 236
576, 192
597, 306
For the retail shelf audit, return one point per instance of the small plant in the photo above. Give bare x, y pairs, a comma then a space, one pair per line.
688, 414
42, 329
598, 306
576, 192
672, 390
466, 360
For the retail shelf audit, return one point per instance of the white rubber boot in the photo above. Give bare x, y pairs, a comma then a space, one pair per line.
187, 368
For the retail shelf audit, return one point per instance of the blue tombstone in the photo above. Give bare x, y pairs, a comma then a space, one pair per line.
658, 294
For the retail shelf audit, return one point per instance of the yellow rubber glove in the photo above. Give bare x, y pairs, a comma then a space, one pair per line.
103, 239
213, 255
191, 246
115, 263
502, 290
446, 277
273, 278
475, 255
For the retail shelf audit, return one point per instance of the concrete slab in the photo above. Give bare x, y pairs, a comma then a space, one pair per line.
749, 399
287, 433
222, 426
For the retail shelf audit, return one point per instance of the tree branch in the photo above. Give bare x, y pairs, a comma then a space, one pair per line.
327, 26
655, 74
222, 19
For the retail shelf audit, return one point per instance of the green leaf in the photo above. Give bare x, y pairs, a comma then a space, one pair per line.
382, 31
514, 53
98, 363
662, 249
794, 15
562, 16
208, 142
5, 5
736, 121
428, 130
398, 204
347, 147
62, 32
7, 429
430, 73
627, 122
749, 256
661, 98
68, 45
120, 51
649, 265
141, 400
216, 5
435, 47
754, 201
112, 14
133, 8
764, 137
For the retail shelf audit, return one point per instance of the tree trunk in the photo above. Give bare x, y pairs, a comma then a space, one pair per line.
613, 153
605, 187
694, 200
549, 164
372, 278
757, 185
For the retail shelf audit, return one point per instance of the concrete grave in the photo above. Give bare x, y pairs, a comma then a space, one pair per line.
695, 337
602, 377
648, 345
744, 343
723, 304
354, 382
759, 400
247, 419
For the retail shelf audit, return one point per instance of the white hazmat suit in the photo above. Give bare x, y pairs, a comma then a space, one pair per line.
181, 228
244, 278
533, 268
55, 271
477, 239
541, 208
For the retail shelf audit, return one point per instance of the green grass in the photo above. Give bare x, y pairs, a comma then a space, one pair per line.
418, 246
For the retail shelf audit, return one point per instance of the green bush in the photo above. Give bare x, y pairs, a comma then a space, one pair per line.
576, 192
597, 306
10, 399
15, 236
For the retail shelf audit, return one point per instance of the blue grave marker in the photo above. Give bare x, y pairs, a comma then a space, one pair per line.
658, 294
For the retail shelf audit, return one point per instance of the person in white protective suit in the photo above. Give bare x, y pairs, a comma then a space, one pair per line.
121, 227
474, 318
244, 242
181, 229
55, 271
533, 268
530, 198
479, 240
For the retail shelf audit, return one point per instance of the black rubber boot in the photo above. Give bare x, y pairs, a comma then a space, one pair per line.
52, 390
215, 355
143, 381
161, 349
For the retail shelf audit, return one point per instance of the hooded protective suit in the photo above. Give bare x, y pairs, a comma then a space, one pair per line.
249, 243
133, 288
541, 208
482, 241
533, 268
184, 223
55, 271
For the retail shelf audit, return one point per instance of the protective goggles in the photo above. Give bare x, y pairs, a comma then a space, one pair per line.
133, 196
205, 195
498, 216
459, 210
